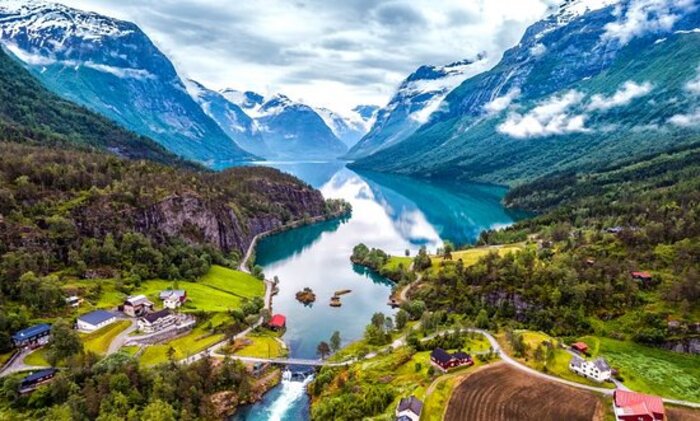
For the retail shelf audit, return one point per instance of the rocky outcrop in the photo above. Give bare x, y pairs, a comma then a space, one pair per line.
684, 345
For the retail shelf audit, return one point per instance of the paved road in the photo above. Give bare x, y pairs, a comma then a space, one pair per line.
120, 339
17, 364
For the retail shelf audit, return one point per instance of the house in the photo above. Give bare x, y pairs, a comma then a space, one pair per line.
33, 336
644, 277
580, 347
74, 301
598, 370
36, 379
614, 230
173, 298
95, 320
631, 406
409, 409
444, 360
277, 322
155, 322
137, 306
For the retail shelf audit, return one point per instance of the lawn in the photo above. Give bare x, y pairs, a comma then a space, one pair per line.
129, 350
471, 256
394, 262
5, 357
262, 346
99, 340
234, 281
651, 370
37, 358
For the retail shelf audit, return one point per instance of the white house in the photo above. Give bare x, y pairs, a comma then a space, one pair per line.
597, 370
173, 298
95, 320
155, 322
409, 409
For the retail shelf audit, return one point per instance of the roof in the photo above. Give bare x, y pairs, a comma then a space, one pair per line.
601, 364
631, 402
172, 293
278, 320
461, 355
580, 346
440, 355
154, 317
410, 403
576, 361
644, 275
96, 317
138, 300
32, 331
37, 375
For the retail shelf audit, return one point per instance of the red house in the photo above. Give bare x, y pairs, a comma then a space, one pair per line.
580, 347
444, 360
277, 322
631, 406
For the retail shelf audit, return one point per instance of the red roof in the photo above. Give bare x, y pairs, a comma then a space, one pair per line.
632, 403
642, 275
278, 320
581, 346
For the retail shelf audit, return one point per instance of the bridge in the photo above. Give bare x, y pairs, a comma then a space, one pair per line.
291, 361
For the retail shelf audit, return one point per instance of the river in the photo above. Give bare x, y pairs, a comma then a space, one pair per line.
391, 212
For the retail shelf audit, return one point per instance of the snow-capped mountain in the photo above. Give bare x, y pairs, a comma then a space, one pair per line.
594, 83
348, 128
112, 67
230, 117
248, 100
417, 98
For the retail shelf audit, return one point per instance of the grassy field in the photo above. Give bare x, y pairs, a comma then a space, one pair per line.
651, 370
262, 346
395, 261
5, 357
130, 350
559, 366
37, 358
99, 340
471, 256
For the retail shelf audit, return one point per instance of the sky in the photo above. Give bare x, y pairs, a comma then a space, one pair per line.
336, 54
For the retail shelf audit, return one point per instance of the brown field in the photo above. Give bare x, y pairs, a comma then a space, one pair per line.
502, 393
682, 414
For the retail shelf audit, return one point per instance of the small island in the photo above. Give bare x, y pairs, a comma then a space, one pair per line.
306, 296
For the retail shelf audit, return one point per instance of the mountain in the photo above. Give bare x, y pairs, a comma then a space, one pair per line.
112, 67
289, 129
417, 98
586, 87
29, 113
348, 128
230, 117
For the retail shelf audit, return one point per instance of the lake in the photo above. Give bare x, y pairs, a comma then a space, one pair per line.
390, 212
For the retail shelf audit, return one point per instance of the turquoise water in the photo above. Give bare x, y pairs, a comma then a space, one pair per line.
390, 212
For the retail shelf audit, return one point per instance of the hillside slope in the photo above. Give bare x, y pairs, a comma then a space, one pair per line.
581, 89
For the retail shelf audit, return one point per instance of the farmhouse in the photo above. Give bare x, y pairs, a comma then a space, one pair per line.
95, 320
33, 336
173, 298
409, 409
277, 322
74, 301
444, 360
155, 322
597, 370
580, 347
631, 406
137, 306
36, 379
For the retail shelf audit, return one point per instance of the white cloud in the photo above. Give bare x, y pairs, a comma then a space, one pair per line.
623, 96
500, 103
693, 85
691, 119
538, 49
550, 117
329, 54
644, 16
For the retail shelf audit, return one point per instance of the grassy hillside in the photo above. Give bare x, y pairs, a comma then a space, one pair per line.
29, 113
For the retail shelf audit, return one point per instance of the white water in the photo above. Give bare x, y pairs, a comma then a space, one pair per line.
291, 393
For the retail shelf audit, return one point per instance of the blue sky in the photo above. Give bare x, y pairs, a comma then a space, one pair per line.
328, 53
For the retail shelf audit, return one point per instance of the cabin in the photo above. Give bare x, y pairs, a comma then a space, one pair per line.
158, 321
33, 336
409, 409
580, 347
645, 278
631, 406
95, 320
445, 361
598, 370
137, 306
36, 379
614, 230
74, 301
277, 322
173, 298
